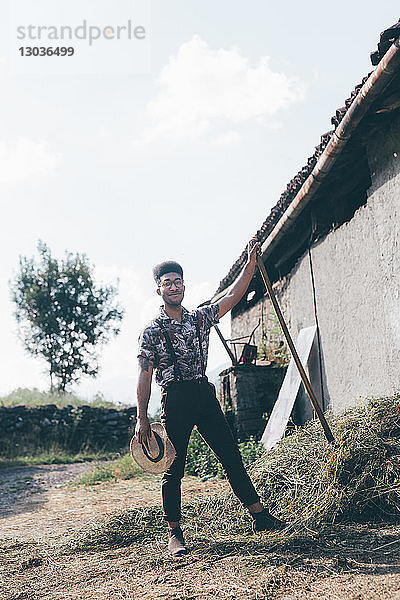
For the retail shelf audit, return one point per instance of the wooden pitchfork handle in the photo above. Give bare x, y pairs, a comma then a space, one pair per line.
303, 374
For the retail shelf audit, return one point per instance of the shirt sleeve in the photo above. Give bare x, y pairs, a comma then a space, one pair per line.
146, 346
210, 314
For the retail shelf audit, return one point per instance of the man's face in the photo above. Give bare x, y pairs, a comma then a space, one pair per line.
171, 289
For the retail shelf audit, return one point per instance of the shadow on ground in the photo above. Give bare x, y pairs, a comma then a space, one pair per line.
363, 548
24, 489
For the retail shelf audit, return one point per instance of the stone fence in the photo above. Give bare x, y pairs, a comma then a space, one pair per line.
24, 429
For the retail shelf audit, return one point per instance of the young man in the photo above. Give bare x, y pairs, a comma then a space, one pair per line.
175, 344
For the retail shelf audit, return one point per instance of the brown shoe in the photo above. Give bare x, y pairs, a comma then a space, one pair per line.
176, 544
264, 521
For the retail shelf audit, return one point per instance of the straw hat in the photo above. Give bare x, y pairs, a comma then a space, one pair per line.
157, 454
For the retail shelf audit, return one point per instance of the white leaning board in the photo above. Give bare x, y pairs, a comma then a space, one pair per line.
280, 414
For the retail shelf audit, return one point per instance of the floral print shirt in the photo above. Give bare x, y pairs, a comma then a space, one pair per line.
185, 342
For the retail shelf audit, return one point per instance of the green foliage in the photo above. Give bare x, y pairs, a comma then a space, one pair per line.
61, 314
34, 397
201, 461
271, 346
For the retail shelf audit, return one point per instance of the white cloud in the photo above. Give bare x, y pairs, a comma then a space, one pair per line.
24, 159
276, 125
227, 138
200, 86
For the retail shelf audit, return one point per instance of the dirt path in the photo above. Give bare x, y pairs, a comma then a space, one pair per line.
26, 488
38, 506
37, 502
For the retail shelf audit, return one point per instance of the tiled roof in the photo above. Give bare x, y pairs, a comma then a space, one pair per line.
296, 183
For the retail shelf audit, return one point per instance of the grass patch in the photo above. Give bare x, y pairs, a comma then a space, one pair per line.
54, 458
119, 530
34, 397
201, 462
122, 468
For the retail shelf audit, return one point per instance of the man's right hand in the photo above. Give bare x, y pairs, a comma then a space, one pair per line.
142, 430
253, 250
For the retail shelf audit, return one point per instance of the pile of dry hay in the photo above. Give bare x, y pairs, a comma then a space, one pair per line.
308, 481
304, 480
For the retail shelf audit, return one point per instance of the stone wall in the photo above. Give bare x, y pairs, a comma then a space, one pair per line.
24, 428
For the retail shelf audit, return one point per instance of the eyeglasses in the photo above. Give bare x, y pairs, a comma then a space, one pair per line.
178, 283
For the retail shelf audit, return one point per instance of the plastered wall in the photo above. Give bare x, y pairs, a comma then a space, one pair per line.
357, 282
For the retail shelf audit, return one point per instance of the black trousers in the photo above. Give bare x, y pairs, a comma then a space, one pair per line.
184, 405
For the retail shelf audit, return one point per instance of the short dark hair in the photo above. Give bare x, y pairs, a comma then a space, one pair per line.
168, 266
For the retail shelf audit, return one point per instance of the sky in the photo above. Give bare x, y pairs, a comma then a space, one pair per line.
179, 154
